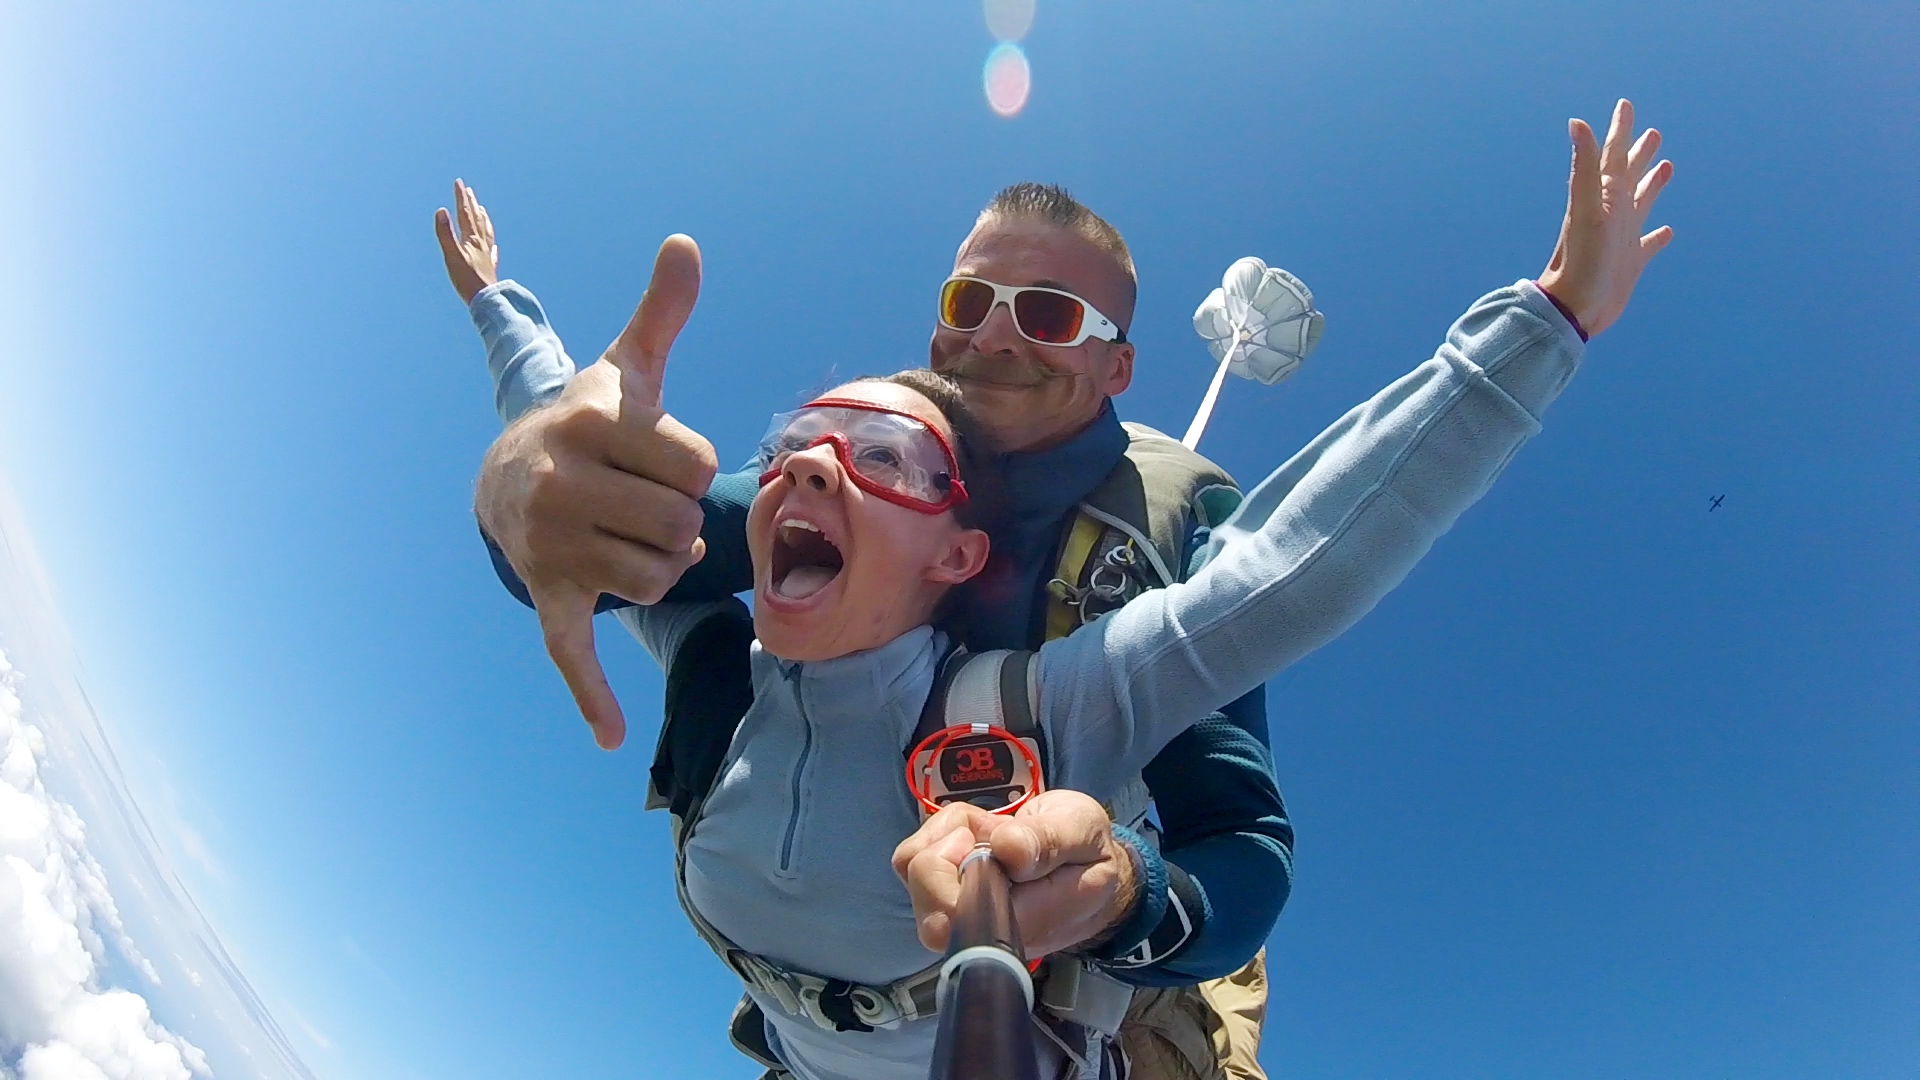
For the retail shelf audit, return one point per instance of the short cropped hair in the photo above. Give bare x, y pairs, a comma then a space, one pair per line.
1052, 203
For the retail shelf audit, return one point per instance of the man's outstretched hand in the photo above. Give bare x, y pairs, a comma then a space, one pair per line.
1072, 881
1602, 248
599, 491
473, 258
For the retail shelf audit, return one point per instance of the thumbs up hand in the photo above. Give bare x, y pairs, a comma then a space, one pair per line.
599, 491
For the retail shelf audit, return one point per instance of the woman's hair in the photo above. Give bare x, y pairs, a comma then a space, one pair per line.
986, 494
973, 452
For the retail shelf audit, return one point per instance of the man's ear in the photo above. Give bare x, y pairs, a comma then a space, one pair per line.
1119, 369
965, 556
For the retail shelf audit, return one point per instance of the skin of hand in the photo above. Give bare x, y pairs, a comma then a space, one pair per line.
1602, 250
598, 491
1072, 881
473, 259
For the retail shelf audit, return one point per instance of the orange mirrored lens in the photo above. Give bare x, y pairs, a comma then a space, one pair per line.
964, 304
1048, 317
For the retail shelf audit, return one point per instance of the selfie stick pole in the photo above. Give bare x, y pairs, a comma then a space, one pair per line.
985, 993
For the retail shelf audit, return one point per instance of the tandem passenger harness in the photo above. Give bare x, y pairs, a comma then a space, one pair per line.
977, 740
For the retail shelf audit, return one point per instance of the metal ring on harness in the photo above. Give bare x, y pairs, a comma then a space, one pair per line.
1111, 581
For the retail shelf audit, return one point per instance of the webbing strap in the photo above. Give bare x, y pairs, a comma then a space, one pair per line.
1016, 695
832, 1004
1062, 617
981, 688
933, 712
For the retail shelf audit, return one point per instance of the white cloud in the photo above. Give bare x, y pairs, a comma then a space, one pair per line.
77, 998
56, 1021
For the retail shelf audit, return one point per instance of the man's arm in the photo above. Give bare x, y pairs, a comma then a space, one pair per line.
1226, 845
597, 492
530, 367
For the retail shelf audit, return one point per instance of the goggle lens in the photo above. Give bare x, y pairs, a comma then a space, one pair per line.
893, 455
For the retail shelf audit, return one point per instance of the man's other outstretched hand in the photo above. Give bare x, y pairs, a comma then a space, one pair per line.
473, 258
1072, 881
1602, 248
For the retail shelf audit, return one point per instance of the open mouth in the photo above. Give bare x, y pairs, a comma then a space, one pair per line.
804, 560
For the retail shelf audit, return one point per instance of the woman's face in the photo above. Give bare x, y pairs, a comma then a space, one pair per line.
837, 569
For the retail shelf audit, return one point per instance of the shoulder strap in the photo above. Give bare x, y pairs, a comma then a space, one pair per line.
1130, 533
994, 687
709, 690
1076, 558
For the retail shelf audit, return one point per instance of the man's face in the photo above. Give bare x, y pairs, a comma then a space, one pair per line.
1031, 396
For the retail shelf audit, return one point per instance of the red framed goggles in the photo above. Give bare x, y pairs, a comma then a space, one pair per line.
1043, 315
889, 454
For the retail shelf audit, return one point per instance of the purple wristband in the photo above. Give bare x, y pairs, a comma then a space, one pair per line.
1562, 309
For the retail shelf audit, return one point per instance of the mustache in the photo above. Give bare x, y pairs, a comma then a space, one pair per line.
973, 366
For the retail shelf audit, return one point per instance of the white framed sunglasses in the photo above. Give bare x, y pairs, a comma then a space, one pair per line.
1043, 316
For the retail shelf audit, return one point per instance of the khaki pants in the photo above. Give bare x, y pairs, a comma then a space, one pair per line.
1205, 1032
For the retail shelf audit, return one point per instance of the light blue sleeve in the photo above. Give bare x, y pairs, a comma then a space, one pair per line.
1313, 548
661, 627
529, 365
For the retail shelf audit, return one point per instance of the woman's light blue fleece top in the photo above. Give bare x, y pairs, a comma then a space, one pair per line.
790, 856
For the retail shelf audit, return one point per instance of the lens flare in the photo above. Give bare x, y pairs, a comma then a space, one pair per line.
1008, 79
1009, 20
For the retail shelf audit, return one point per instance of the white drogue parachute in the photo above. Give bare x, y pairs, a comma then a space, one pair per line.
1260, 324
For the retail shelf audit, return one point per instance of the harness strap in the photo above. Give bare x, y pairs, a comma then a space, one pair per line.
996, 687
832, 1004
1063, 616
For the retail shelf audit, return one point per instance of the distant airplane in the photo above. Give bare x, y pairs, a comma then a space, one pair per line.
1716, 503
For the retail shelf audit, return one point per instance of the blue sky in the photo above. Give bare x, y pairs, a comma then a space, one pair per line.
1612, 786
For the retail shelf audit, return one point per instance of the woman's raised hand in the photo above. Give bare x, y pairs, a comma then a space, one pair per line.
473, 258
1602, 249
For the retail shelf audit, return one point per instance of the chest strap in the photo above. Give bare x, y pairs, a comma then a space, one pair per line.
832, 1004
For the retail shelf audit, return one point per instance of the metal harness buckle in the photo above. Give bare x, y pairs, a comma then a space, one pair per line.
1113, 581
